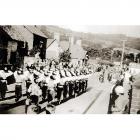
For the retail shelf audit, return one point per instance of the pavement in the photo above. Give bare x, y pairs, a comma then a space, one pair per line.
94, 101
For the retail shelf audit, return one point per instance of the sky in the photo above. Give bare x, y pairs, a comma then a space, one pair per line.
129, 30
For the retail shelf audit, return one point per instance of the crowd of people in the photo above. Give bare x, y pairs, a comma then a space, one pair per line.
56, 83
53, 83
121, 80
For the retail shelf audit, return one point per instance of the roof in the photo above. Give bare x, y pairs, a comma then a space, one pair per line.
50, 41
35, 30
13, 32
77, 52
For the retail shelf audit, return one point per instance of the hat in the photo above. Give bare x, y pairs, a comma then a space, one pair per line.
46, 74
54, 73
52, 77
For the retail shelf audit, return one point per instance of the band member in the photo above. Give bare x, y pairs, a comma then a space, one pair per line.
34, 89
109, 76
51, 89
71, 88
101, 78
29, 78
3, 87
44, 89
76, 87
18, 85
66, 90
3, 80
60, 88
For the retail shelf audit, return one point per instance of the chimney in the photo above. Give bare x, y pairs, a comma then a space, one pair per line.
79, 42
57, 36
71, 40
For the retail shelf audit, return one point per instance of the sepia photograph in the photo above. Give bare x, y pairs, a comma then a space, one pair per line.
69, 69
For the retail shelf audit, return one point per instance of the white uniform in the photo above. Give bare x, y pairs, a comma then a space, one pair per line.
29, 76
19, 78
34, 89
4, 74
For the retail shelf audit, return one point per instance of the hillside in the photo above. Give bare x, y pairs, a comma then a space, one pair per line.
94, 44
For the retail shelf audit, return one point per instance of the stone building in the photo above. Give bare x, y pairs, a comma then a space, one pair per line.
19, 41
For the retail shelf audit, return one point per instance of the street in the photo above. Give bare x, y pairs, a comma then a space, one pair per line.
94, 101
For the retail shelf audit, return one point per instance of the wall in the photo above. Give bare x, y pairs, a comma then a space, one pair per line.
135, 104
53, 51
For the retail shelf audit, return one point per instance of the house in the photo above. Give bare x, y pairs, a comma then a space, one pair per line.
53, 48
78, 54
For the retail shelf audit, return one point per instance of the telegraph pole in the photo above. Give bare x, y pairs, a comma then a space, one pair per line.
123, 49
112, 52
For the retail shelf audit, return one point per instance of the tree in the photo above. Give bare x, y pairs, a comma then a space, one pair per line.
65, 56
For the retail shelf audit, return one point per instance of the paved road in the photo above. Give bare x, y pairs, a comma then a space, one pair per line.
95, 101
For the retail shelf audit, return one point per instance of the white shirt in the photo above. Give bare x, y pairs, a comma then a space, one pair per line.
18, 78
29, 75
34, 89
4, 74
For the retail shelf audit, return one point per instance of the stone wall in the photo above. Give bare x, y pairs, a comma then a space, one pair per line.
135, 104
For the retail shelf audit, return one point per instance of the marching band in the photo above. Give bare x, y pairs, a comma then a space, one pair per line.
43, 83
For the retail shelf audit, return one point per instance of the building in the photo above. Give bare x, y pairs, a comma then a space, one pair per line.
19, 41
12, 45
53, 48
78, 54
